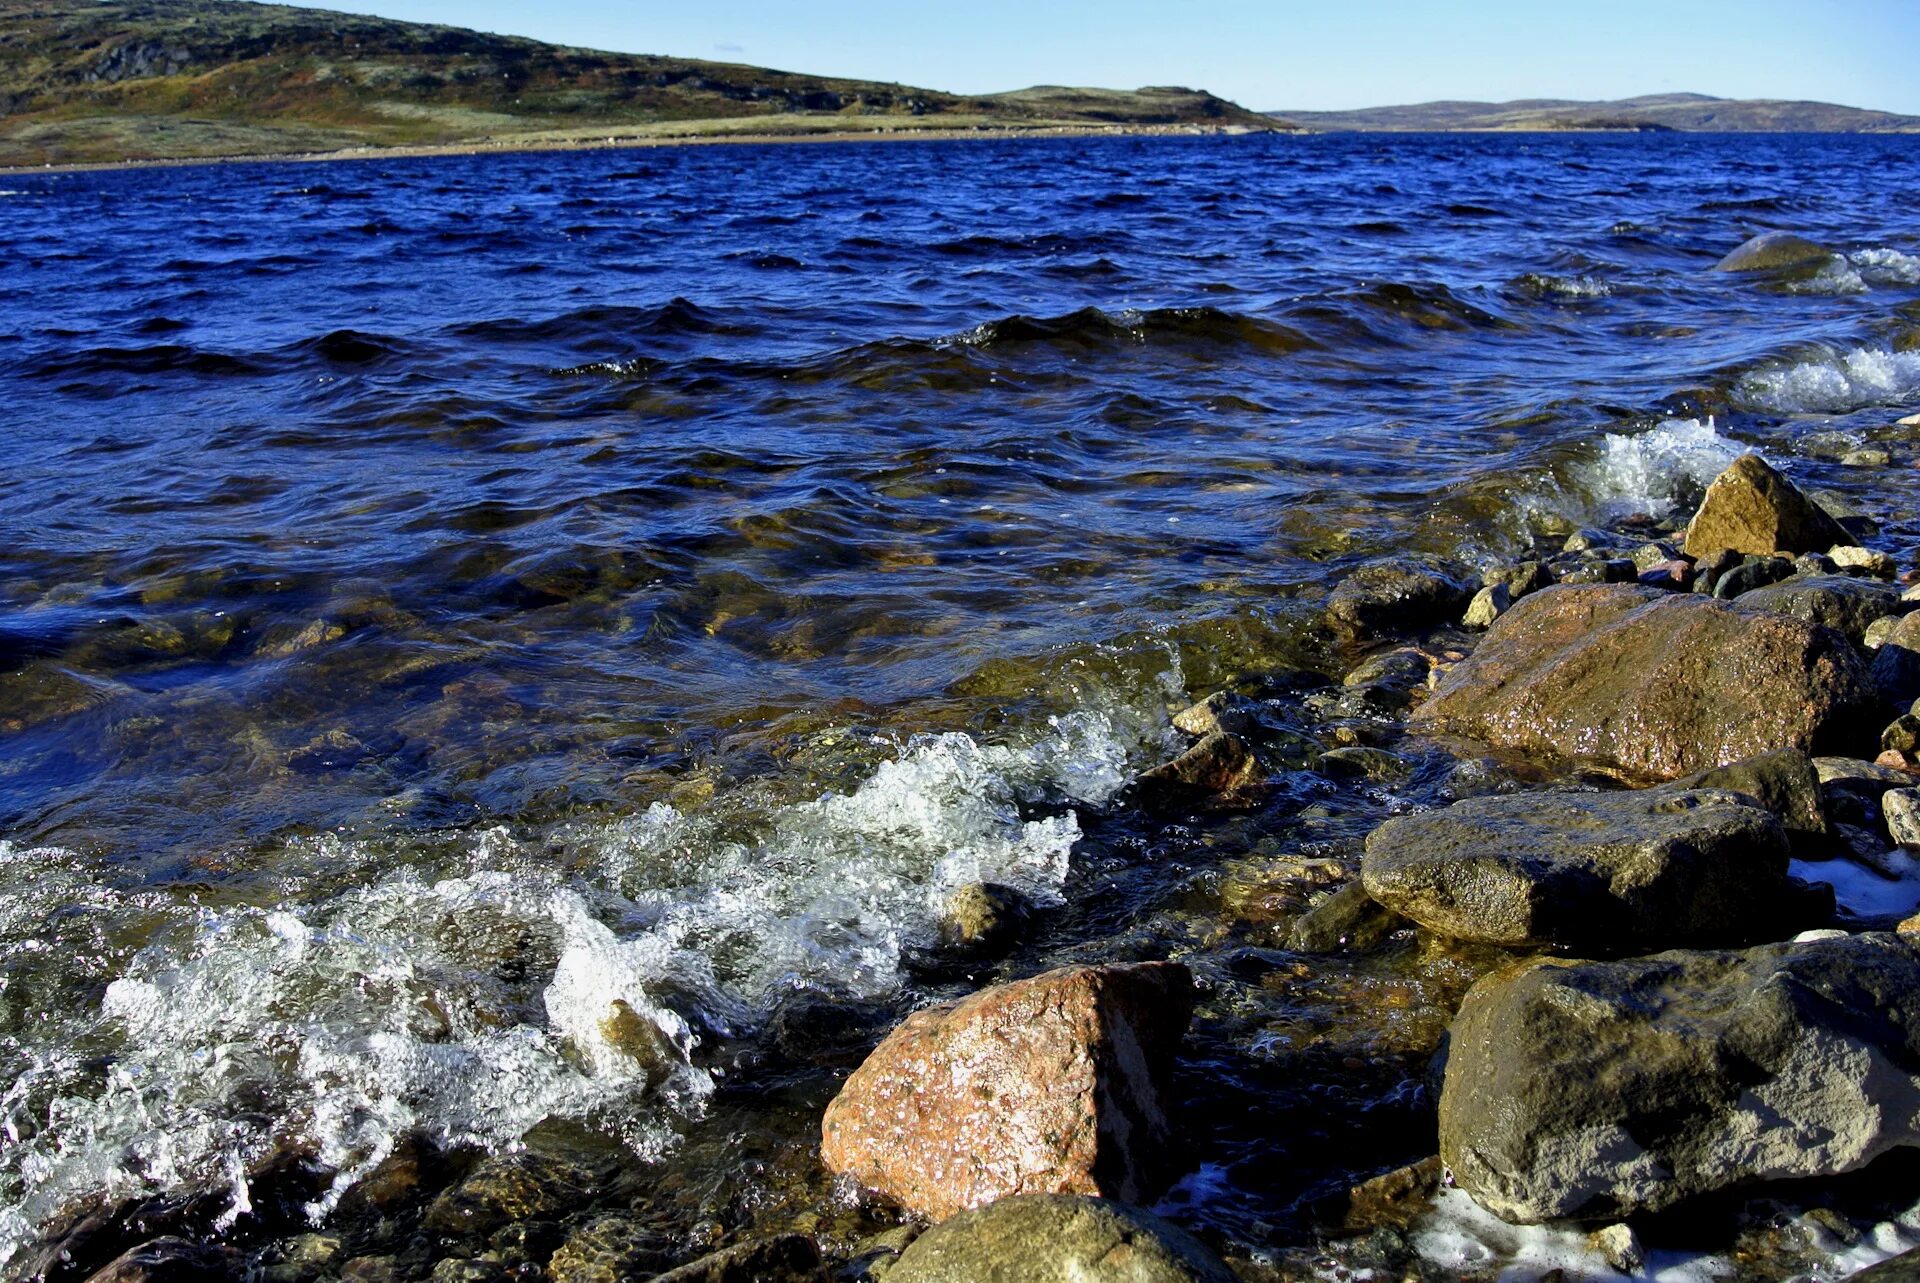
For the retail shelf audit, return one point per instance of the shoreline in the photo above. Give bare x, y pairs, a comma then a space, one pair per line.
633, 142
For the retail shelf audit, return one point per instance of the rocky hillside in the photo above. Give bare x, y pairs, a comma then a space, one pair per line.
1694, 113
102, 80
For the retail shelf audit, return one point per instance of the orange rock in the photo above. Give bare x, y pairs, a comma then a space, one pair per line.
1048, 1085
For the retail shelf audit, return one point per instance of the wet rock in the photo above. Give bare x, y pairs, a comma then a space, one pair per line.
169, 1260
1840, 602
371, 1269
1672, 576
1904, 1268
1902, 735
1620, 1248
1397, 595
1591, 569
1880, 632
1774, 251
1657, 553
1867, 457
1596, 1090
983, 918
1601, 874
1361, 761
1347, 919
1057, 1238
1785, 783
1896, 665
1808, 564
1709, 567
510, 1187
1901, 807
1220, 768
783, 1258
1487, 605
1587, 539
1048, 1085
301, 1259
1403, 668
1222, 711
467, 1269
1751, 508
1650, 683
1866, 561
1396, 1198
1752, 573
608, 1249
1526, 577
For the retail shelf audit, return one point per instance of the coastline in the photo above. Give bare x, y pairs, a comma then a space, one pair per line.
535, 143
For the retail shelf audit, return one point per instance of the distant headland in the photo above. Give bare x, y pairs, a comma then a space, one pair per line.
1681, 113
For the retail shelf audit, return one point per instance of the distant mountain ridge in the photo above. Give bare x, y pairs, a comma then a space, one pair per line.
109, 80
1688, 113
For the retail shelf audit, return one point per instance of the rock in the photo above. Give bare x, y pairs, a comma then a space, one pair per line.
510, 1187
1900, 760
1896, 665
1222, 711
1901, 807
1396, 1198
1620, 1248
1673, 576
1048, 1085
1400, 669
1851, 772
1587, 539
1397, 595
1881, 631
371, 1269
1590, 569
1772, 252
783, 1258
1527, 576
1808, 564
1596, 1090
1654, 684
1751, 508
610, 1247
1752, 573
168, 1260
467, 1269
983, 918
1657, 553
1220, 768
1784, 782
1487, 605
1710, 566
1347, 919
1903, 735
1867, 457
1865, 560
1057, 1238
1359, 761
1904, 1268
1841, 602
1601, 874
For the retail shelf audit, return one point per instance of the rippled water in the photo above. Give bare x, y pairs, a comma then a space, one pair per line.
481, 639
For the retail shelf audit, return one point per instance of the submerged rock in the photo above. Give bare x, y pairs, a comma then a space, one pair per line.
983, 918
1596, 1090
1397, 595
1602, 874
783, 1258
1772, 252
1841, 602
1220, 768
1751, 508
1048, 1085
1396, 1198
1222, 711
169, 1260
1058, 1238
1655, 684
1347, 919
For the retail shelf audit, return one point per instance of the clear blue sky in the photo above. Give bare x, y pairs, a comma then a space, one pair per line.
1336, 53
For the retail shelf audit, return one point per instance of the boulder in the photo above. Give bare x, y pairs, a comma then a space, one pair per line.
1398, 595
1896, 665
1784, 782
1773, 252
1654, 684
1047, 1085
1841, 602
1220, 768
1057, 1238
782, 1258
1595, 1090
1866, 561
1601, 874
1753, 509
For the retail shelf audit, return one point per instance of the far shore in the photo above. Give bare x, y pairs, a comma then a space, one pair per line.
619, 141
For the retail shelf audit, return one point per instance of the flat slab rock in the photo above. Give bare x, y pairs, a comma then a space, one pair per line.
1602, 874
1058, 1238
1595, 1090
1047, 1085
1655, 684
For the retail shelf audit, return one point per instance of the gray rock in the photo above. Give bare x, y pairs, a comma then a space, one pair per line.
1347, 919
1881, 631
1750, 574
1772, 252
1896, 665
1901, 807
1840, 602
1397, 595
1524, 577
1220, 711
1057, 1238
1591, 568
1784, 782
1709, 566
1487, 605
1601, 874
1904, 1268
783, 1258
1596, 1090
1867, 561
983, 919
1814, 563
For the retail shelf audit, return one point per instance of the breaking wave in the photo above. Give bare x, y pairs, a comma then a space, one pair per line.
1834, 383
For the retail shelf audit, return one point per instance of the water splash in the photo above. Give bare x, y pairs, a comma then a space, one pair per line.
1835, 383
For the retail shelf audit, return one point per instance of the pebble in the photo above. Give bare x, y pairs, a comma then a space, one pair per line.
1874, 562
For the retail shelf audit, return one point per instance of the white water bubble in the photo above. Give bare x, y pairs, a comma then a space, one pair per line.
1835, 383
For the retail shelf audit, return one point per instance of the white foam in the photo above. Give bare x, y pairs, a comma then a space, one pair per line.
1837, 276
1864, 891
1887, 266
1458, 1234
1835, 383
1657, 471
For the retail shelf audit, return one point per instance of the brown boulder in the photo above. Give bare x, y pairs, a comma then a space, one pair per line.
1654, 684
1047, 1085
1751, 508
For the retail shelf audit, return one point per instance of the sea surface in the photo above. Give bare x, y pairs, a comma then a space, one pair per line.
444, 599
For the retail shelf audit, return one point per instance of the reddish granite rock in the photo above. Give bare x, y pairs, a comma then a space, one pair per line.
1048, 1085
1654, 684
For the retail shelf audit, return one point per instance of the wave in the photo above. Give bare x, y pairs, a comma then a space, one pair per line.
1658, 472
1545, 286
1834, 382
674, 317
1176, 326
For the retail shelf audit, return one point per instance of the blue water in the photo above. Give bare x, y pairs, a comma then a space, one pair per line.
354, 512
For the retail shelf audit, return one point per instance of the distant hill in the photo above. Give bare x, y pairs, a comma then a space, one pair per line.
109, 80
1691, 113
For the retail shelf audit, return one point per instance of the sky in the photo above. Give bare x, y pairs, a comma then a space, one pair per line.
1322, 56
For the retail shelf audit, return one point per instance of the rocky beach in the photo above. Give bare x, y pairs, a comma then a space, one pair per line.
1356, 780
